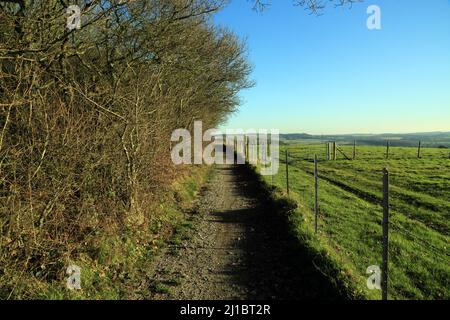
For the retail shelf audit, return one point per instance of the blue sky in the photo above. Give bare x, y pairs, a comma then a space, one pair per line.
330, 74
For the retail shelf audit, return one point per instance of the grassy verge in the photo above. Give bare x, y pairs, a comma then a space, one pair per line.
120, 265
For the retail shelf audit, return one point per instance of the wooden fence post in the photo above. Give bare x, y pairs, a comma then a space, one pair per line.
329, 150
287, 172
384, 267
330, 145
316, 196
271, 156
418, 150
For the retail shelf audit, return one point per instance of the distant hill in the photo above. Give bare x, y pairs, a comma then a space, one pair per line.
428, 139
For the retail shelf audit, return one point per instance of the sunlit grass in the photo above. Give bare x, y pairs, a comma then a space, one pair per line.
350, 194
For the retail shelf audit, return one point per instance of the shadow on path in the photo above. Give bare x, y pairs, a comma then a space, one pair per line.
274, 263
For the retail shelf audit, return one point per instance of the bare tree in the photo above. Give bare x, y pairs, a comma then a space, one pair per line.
86, 117
313, 6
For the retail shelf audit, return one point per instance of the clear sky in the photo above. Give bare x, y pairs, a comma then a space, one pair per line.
330, 74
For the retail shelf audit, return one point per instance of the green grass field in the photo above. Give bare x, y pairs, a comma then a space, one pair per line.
350, 195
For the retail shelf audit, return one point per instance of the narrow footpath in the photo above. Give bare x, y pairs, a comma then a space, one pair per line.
238, 249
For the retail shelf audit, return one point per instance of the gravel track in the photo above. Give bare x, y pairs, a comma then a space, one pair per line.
238, 249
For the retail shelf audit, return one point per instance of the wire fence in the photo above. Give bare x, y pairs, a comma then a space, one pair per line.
357, 150
293, 159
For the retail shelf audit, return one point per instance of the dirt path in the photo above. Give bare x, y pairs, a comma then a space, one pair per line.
238, 249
